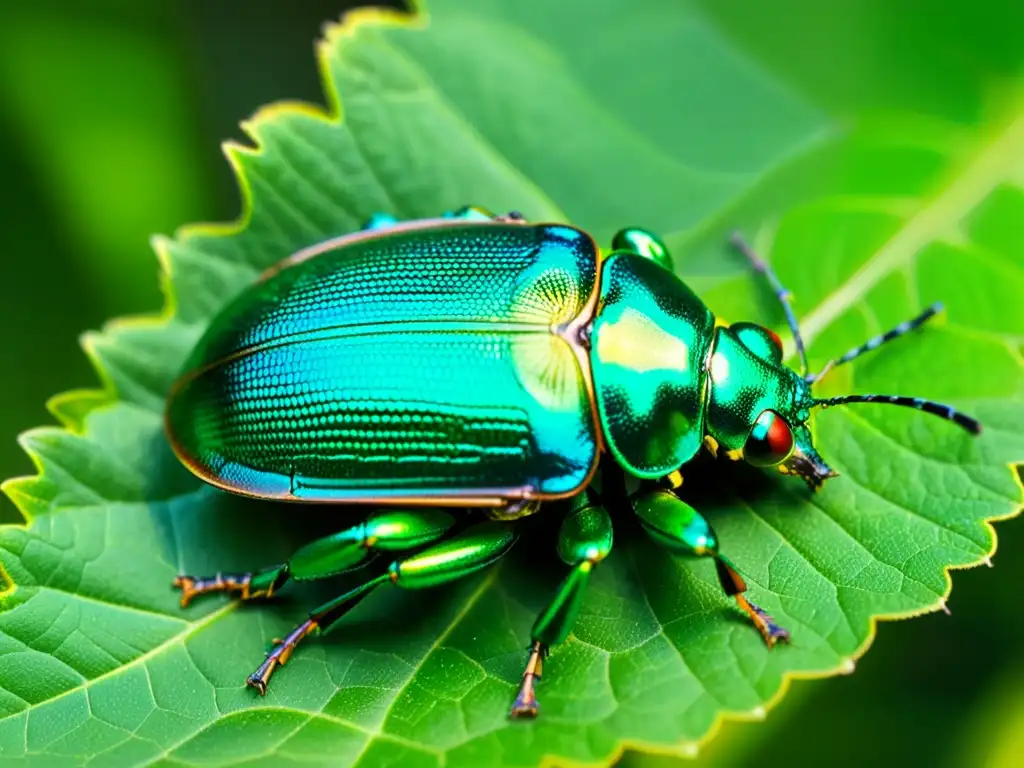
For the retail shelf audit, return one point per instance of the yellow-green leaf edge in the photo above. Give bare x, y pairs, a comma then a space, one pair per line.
71, 408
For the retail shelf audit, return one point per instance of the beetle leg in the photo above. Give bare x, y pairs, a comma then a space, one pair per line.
474, 548
643, 243
471, 213
380, 221
584, 540
465, 213
682, 530
383, 531
513, 510
247, 585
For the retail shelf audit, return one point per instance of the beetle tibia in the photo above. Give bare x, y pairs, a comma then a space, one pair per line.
279, 656
526, 704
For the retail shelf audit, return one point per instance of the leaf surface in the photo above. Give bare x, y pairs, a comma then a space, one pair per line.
626, 115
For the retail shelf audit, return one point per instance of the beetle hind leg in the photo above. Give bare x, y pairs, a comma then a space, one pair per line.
248, 585
320, 620
474, 548
383, 531
584, 540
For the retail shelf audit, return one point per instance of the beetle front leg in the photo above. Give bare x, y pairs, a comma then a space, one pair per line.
476, 547
584, 540
642, 243
382, 531
678, 527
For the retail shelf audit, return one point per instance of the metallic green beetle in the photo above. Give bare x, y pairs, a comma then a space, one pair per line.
485, 362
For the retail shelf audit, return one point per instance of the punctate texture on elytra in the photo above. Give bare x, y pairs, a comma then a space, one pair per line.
900, 211
421, 365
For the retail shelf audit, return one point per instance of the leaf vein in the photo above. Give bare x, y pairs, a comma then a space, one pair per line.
962, 195
181, 637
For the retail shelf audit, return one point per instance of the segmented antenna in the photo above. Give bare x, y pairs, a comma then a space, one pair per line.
781, 293
879, 340
928, 406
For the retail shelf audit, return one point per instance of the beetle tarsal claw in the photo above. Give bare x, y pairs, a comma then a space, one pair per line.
526, 704
279, 655
258, 679
770, 631
187, 585
192, 587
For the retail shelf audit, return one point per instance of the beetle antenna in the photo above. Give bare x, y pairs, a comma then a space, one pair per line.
877, 341
781, 293
928, 406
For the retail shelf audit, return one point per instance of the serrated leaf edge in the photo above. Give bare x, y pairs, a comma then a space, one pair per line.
20, 489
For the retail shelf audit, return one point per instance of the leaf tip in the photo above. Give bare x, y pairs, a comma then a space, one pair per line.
7, 585
161, 246
279, 110
22, 491
234, 151
72, 407
333, 32
13, 489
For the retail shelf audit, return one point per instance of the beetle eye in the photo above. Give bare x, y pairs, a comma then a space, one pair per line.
770, 441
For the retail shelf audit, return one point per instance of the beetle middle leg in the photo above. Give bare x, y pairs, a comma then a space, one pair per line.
474, 548
387, 530
682, 530
584, 540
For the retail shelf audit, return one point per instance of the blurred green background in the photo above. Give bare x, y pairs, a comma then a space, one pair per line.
112, 116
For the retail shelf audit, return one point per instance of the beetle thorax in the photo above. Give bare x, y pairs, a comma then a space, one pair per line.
649, 347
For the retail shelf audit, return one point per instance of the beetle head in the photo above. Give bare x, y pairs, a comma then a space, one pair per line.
758, 409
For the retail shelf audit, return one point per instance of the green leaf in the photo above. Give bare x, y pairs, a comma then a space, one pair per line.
605, 116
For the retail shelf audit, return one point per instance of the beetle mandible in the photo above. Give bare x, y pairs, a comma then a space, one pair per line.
488, 363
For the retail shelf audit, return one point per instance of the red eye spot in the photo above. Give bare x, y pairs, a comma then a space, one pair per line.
775, 338
780, 438
770, 441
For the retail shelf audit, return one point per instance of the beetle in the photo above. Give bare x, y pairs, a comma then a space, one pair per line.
487, 364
